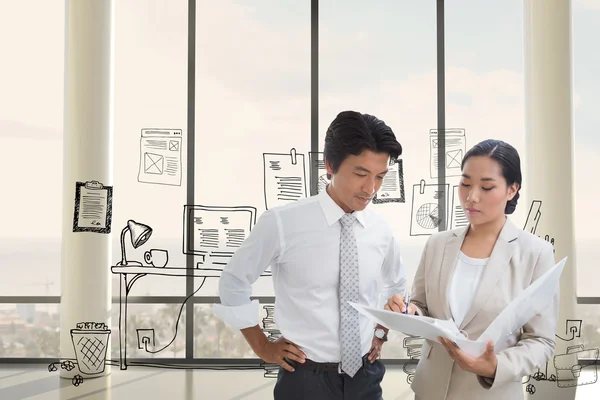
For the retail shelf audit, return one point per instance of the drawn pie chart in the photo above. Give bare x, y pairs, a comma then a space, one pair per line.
428, 216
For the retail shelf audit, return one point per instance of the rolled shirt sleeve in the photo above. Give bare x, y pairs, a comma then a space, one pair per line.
260, 250
393, 273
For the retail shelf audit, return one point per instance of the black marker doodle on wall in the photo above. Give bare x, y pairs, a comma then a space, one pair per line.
139, 233
284, 178
533, 217
459, 219
93, 207
413, 345
455, 148
425, 214
569, 366
90, 342
317, 161
570, 372
392, 189
157, 257
214, 233
272, 333
160, 157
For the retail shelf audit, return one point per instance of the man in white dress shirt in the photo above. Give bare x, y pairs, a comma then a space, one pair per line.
324, 251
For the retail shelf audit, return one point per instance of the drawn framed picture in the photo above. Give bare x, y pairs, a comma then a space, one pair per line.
93, 207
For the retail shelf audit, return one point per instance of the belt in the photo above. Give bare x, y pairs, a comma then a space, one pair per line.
318, 367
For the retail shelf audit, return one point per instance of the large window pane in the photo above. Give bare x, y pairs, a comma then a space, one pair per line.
29, 330
31, 123
252, 98
215, 339
484, 82
380, 59
586, 119
150, 135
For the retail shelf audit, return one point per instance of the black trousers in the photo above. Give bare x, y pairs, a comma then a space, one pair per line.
304, 384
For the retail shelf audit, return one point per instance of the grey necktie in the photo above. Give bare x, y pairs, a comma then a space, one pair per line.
349, 327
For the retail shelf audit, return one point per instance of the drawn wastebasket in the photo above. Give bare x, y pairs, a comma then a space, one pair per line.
90, 340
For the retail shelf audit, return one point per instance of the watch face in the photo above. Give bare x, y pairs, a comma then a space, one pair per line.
379, 333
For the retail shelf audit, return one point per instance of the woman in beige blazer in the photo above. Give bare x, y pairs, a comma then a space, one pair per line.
470, 274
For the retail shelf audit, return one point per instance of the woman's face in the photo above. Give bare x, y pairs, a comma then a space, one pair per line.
483, 190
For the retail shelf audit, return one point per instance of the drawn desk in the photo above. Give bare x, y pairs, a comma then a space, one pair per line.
130, 274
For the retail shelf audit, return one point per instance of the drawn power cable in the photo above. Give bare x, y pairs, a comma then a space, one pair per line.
284, 178
146, 342
425, 214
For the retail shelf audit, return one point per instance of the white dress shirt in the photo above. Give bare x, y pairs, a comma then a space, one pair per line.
465, 282
300, 241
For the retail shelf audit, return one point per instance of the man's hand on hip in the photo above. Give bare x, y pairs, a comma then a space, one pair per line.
276, 353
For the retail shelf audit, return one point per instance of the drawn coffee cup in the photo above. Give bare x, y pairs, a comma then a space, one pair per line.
157, 258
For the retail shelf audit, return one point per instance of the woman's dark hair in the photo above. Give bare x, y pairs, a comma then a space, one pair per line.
351, 132
509, 160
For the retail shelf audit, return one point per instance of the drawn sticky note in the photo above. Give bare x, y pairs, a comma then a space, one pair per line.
455, 147
426, 215
284, 178
160, 157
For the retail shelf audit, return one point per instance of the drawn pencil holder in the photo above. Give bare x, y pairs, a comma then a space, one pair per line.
90, 340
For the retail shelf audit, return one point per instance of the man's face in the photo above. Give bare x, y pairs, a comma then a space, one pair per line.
358, 179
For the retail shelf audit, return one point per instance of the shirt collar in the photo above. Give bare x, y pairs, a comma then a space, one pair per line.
333, 212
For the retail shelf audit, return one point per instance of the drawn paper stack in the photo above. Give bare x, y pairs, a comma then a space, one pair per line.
270, 329
517, 313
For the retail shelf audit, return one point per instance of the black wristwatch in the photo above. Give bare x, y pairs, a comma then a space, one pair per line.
380, 334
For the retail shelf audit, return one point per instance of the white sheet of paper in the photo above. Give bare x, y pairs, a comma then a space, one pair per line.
516, 314
425, 327
524, 307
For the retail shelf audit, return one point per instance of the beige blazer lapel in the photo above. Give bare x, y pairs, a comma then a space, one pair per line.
499, 260
451, 250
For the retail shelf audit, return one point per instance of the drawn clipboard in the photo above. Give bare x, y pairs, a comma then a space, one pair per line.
392, 189
93, 207
425, 214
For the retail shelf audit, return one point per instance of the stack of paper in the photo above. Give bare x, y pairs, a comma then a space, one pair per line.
517, 313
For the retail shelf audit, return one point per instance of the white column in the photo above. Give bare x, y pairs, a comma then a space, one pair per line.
549, 162
88, 156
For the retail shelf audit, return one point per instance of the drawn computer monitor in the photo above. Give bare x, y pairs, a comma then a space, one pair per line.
214, 233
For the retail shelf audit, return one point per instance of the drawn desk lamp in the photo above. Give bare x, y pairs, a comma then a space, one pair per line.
140, 234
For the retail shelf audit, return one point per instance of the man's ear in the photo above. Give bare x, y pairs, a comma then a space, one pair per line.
329, 169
